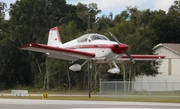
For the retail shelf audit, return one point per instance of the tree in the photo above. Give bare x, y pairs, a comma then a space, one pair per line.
3, 9
29, 22
134, 27
167, 26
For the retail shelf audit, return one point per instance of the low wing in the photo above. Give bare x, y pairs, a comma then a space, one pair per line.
57, 52
136, 57
142, 57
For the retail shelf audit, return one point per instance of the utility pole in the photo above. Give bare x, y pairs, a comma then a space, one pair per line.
88, 21
89, 77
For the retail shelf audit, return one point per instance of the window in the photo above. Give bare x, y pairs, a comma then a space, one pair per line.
83, 38
91, 37
98, 37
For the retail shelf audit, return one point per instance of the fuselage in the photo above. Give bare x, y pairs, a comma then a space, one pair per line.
98, 44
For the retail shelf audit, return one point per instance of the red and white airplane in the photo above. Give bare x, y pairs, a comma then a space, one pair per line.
88, 47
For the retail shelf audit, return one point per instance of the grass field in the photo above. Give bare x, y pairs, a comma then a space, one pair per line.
78, 95
97, 98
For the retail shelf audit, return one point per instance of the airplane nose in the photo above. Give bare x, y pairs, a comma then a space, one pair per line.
118, 48
125, 47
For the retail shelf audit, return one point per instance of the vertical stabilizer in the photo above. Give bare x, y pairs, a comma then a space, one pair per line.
54, 38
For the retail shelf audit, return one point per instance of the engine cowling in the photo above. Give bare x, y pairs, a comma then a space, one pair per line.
75, 67
114, 71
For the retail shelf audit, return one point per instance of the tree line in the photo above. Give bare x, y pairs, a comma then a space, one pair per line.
30, 21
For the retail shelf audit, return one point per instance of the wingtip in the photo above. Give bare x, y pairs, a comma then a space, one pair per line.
54, 28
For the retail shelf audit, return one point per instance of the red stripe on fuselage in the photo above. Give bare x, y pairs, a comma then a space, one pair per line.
115, 48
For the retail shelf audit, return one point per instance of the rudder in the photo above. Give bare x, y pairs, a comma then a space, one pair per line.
54, 38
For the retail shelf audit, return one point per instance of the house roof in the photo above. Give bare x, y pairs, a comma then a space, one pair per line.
171, 46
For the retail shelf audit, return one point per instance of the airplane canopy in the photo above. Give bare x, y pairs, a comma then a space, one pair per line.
91, 37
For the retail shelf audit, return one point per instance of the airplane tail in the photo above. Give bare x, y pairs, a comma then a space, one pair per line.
54, 38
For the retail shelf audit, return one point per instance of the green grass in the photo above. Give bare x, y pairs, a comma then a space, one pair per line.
97, 98
73, 95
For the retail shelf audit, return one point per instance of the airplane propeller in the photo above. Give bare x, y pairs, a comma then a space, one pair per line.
125, 51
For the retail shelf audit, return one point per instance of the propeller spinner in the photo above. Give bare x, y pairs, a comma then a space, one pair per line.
125, 51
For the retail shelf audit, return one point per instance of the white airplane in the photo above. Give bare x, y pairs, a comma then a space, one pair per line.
88, 47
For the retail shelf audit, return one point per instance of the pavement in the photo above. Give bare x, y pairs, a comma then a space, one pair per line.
80, 104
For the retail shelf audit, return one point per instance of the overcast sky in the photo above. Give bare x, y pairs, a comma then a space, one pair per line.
117, 6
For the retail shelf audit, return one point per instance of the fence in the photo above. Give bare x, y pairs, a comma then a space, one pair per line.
139, 89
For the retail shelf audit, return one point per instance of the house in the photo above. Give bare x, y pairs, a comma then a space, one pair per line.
169, 68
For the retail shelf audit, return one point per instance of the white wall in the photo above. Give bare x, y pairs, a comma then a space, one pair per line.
163, 67
176, 67
169, 72
171, 64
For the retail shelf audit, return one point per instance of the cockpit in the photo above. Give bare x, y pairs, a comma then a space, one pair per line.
91, 37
